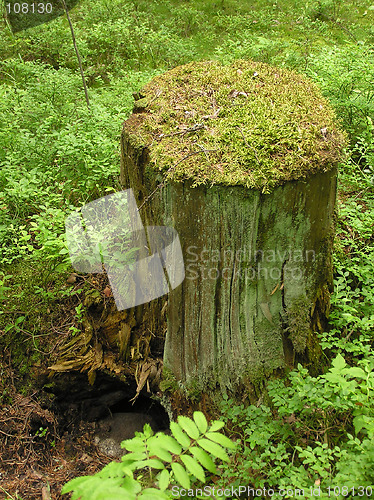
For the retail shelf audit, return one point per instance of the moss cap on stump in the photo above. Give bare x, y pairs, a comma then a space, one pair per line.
246, 123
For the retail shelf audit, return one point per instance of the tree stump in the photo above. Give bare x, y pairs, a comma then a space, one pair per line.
241, 160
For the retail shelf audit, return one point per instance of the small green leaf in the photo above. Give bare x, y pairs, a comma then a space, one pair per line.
153, 463
205, 460
216, 425
152, 494
189, 426
219, 438
179, 435
19, 320
361, 422
135, 444
215, 449
130, 486
73, 484
159, 452
200, 421
356, 372
339, 362
133, 456
147, 431
113, 469
193, 467
168, 443
181, 475
163, 479
96, 488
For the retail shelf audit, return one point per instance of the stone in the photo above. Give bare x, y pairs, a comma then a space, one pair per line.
117, 428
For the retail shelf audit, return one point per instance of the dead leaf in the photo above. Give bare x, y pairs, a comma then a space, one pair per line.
72, 278
150, 371
214, 115
235, 93
266, 311
86, 458
91, 377
291, 419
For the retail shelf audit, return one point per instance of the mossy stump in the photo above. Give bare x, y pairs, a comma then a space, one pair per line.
241, 160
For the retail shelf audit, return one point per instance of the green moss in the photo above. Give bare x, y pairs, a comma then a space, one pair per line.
92, 298
247, 123
194, 391
168, 381
141, 104
299, 324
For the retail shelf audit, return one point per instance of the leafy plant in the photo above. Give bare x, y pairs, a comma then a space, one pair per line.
306, 434
156, 463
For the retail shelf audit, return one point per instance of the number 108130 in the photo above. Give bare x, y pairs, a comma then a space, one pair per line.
344, 491
29, 8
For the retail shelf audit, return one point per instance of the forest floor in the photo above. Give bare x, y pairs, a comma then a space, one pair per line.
39, 454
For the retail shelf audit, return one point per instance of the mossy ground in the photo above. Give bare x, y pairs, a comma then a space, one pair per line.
33, 316
245, 123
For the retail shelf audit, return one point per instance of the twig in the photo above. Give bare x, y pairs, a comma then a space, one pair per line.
6, 434
363, 191
204, 151
77, 52
7, 493
248, 145
159, 186
196, 127
342, 27
156, 96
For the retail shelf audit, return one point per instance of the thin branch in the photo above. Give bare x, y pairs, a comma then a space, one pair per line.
198, 126
204, 151
77, 52
7, 493
248, 145
342, 27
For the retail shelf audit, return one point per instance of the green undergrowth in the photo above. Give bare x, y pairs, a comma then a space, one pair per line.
317, 432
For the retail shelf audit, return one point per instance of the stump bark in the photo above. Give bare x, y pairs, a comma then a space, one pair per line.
252, 198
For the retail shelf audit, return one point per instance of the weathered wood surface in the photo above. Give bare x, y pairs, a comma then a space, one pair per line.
258, 275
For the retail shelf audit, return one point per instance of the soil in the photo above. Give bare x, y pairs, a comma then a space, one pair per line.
39, 451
